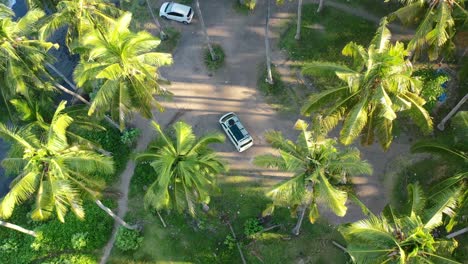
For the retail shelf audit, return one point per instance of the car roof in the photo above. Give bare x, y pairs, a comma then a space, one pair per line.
178, 8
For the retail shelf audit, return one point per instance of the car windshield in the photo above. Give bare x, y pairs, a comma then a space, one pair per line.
189, 12
168, 7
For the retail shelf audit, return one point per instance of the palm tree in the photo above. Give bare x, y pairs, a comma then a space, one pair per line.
269, 78
125, 67
162, 35
205, 33
185, 168
299, 20
377, 86
406, 237
319, 170
80, 17
53, 170
18, 228
436, 27
22, 58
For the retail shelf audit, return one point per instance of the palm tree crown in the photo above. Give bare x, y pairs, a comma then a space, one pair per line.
404, 238
22, 58
378, 85
319, 168
124, 65
52, 169
80, 17
437, 24
185, 168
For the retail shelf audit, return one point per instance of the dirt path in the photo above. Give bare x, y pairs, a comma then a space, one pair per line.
204, 96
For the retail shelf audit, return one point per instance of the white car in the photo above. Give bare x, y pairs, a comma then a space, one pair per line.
236, 131
177, 12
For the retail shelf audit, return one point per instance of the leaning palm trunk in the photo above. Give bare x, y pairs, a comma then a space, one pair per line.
18, 228
162, 35
457, 233
297, 229
441, 125
269, 78
79, 97
202, 24
116, 217
299, 20
320, 7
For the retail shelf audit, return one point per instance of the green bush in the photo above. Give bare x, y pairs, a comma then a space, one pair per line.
129, 136
79, 240
230, 242
251, 227
250, 4
128, 240
9, 245
432, 85
214, 64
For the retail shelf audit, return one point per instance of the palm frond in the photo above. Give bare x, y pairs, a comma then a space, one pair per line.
354, 123
382, 36
417, 200
434, 147
319, 100
335, 199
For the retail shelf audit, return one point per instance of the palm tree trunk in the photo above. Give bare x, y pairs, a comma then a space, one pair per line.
237, 243
297, 229
18, 228
162, 35
309, 192
202, 24
116, 217
441, 125
320, 7
79, 97
457, 233
269, 78
299, 20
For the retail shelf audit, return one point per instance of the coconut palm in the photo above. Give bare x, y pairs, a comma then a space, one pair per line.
319, 170
185, 168
125, 67
406, 237
22, 58
80, 16
377, 86
436, 27
53, 170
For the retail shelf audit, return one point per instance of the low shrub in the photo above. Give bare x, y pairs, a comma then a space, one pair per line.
432, 87
79, 240
72, 259
128, 240
129, 136
251, 227
213, 65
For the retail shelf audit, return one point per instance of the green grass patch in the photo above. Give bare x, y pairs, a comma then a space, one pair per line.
168, 45
426, 172
324, 35
213, 65
277, 94
240, 200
